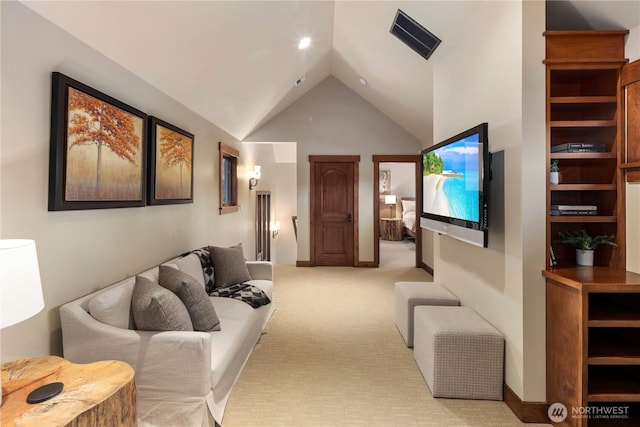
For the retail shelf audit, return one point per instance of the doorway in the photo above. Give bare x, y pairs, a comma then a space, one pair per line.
334, 210
263, 226
389, 200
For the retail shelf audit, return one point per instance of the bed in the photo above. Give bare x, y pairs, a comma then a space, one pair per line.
408, 216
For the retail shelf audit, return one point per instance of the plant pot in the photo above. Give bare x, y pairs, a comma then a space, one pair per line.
584, 257
554, 178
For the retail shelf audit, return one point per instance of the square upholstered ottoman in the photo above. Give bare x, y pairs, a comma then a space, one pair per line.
411, 294
459, 354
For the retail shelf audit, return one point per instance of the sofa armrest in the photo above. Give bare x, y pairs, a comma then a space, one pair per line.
260, 270
175, 362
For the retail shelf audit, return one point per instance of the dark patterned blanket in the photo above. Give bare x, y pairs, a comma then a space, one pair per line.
244, 292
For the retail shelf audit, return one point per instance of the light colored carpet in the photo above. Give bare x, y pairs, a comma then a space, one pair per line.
397, 254
332, 356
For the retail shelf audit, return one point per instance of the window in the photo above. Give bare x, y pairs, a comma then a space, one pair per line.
228, 179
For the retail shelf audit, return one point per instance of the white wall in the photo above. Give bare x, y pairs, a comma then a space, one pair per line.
482, 78
332, 119
285, 246
403, 178
533, 196
278, 178
80, 251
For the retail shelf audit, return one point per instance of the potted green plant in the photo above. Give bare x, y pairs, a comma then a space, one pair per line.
585, 244
554, 173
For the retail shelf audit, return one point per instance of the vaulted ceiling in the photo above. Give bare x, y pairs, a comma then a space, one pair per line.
236, 62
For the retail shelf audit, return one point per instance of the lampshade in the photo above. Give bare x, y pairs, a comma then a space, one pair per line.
20, 287
276, 229
257, 172
254, 179
390, 199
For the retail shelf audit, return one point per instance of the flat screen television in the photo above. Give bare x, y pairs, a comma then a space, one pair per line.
455, 186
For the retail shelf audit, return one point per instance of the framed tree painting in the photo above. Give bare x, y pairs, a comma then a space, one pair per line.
170, 164
97, 155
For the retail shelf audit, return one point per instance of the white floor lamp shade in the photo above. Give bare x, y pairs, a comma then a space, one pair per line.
20, 286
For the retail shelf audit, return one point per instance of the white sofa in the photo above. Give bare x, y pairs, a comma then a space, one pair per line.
183, 378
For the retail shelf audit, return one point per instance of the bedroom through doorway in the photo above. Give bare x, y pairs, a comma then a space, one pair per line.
398, 242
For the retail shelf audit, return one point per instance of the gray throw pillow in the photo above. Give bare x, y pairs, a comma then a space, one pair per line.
158, 309
229, 266
193, 296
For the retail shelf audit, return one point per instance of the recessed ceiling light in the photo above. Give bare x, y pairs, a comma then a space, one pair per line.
363, 82
304, 43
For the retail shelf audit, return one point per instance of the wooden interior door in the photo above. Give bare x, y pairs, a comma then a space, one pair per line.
333, 210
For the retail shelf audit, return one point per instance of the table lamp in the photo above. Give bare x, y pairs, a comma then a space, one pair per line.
21, 293
391, 201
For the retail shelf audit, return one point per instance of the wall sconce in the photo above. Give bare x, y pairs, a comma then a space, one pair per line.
255, 177
276, 229
391, 201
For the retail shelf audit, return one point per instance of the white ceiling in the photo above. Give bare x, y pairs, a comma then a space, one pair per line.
235, 62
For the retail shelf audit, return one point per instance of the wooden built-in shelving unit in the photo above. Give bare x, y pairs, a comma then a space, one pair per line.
584, 104
593, 313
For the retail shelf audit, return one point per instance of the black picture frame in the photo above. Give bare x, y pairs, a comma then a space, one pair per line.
83, 117
171, 151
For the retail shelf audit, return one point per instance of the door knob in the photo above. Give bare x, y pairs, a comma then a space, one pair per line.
349, 218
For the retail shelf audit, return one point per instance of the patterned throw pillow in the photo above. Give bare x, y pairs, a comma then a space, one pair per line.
193, 296
158, 309
207, 267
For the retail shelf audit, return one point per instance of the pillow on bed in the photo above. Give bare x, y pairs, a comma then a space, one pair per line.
408, 205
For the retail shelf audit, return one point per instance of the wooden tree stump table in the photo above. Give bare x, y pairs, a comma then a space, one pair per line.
391, 228
99, 394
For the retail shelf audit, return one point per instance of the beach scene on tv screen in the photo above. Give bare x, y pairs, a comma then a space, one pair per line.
451, 180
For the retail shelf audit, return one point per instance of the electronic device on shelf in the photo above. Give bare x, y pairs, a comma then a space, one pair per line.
573, 210
579, 147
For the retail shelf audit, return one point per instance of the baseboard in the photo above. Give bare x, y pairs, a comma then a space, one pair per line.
365, 264
426, 268
361, 264
527, 412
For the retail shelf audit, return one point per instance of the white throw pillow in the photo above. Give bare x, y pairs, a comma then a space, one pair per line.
113, 306
192, 266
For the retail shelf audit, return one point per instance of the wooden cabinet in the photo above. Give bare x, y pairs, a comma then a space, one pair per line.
593, 345
584, 109
630, 82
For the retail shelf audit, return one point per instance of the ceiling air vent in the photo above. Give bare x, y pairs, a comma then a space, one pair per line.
414, 35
